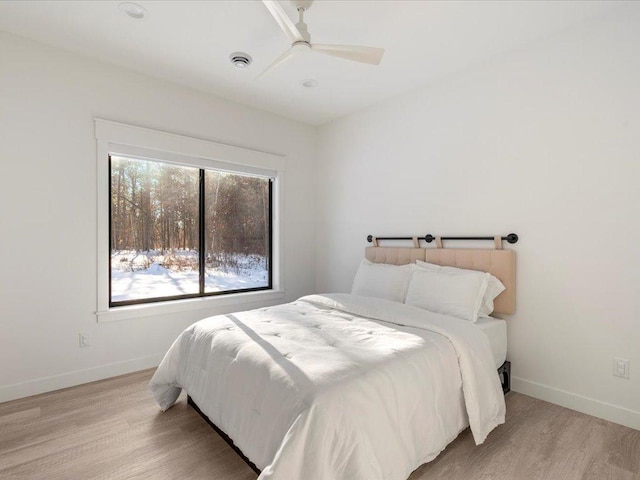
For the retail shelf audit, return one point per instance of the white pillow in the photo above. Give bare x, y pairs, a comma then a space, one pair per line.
382, 281
458, 295
494, 286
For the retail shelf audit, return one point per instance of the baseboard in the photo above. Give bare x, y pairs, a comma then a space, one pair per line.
590, 406
77, 377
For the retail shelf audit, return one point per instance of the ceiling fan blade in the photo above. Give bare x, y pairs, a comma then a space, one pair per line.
357, 53
283, 20
278, 61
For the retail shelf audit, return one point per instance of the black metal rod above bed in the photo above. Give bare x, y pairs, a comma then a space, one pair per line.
511, 238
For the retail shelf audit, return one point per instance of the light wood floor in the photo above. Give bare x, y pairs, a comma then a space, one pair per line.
113, 430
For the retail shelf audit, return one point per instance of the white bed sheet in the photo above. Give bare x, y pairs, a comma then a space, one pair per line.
327, 388
496, 331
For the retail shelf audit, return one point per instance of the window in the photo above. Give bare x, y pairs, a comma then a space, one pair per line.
178, 231
184, 224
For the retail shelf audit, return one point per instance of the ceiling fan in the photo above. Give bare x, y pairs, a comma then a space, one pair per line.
300, 39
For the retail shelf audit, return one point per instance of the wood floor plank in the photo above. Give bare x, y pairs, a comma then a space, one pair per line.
113, 430
623, 448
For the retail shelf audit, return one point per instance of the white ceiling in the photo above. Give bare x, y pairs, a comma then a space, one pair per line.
189, 42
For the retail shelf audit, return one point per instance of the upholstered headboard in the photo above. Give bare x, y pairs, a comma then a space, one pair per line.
499, 263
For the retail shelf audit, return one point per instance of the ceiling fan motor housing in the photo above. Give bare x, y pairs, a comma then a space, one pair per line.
304, 4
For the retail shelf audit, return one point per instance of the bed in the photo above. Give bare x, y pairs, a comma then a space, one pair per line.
345, 386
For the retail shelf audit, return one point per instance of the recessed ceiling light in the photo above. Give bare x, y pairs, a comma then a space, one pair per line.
309, 83
133, 10
240, 59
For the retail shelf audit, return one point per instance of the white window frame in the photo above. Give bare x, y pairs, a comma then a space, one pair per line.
115, 138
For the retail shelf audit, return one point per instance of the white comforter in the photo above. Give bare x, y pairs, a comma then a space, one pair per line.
336, 386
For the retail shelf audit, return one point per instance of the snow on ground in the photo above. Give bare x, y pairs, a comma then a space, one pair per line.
137, 275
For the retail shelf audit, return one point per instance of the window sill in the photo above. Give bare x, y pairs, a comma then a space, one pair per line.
248, 300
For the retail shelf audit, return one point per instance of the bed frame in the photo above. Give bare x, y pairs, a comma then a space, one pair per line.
224, 436
505, 376
500, 263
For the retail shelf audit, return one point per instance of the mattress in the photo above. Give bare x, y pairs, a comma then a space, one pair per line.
496, 331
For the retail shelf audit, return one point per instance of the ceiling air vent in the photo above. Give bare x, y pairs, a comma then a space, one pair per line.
240, 59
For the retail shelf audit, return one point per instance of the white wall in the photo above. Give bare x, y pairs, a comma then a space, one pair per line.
544, 142
48, 99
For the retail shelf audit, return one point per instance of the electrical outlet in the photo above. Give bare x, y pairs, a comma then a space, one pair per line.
84, 339
621, 367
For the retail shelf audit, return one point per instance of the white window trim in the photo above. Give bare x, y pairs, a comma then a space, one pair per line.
114, 137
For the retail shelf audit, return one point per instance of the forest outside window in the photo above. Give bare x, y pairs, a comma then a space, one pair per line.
179, 231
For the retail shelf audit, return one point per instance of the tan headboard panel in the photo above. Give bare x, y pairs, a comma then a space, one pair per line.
499, 263
394, 255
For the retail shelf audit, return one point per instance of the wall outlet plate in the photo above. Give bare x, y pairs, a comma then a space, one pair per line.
84, 340
621, 367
